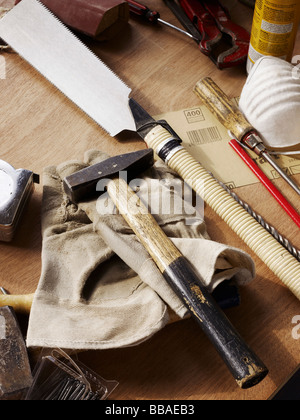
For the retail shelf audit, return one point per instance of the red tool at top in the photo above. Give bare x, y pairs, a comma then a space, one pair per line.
143, 11
151, 16
225, 42
204, 22
240, 38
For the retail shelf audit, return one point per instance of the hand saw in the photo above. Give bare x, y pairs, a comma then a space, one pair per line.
33, 32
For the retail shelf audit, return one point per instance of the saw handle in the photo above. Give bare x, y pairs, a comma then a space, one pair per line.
223, 108
244, 365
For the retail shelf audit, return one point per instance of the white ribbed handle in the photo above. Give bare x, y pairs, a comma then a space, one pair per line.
265, 246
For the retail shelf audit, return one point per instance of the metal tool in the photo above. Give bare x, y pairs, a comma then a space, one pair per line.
269, 228
109, 105
183, 19
237, 37
58, 377
15, 371
241, 151
244, 365
225, 42
210, 35
152, 16
232, 118
16, 186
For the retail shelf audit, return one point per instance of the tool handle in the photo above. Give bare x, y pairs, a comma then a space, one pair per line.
143, 11
245, 366
284, 265
252, 165
223, 108
20, 303
225, 24
204, 22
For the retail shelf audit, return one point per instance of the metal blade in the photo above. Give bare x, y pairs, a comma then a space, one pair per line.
42, 40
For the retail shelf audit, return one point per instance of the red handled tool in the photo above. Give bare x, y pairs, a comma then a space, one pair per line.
225, 42
288, 208
139, 9
239, 37
209, 32
152, 16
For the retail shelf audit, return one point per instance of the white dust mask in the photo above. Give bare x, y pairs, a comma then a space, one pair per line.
270, 100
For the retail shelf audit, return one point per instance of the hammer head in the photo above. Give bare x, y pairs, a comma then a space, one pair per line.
82, 184
15, 372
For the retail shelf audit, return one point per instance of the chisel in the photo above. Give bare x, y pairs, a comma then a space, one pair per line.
233, 119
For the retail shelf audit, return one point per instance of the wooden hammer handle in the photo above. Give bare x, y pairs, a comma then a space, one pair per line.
244, 365
20, 303
223, 108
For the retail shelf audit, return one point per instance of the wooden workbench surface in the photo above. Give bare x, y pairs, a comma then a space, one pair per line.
40, 127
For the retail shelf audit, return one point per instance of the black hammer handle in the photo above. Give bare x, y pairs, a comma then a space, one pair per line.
245, 366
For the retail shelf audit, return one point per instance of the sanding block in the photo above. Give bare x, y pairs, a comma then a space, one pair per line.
16, 187
15, 371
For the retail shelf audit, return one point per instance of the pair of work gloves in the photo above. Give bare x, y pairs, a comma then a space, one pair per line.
99, 288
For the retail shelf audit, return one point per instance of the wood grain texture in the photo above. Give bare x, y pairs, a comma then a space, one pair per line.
134, 211
40, 127
285, 266
222, 107
247, 369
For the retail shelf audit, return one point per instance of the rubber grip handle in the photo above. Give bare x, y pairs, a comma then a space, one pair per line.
223, 108
245, 366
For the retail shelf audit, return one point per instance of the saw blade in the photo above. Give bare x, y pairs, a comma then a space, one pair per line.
51, 48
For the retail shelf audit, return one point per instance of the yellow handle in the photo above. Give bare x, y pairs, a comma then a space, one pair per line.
156, 242
20, 303
223, 108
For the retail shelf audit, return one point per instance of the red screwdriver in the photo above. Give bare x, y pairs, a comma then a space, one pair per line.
152, 16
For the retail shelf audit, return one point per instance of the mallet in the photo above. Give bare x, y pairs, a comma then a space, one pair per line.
245, 366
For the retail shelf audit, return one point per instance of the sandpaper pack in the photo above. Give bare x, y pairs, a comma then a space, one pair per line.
101, 19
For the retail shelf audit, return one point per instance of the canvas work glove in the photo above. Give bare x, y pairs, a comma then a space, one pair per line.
99, 288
